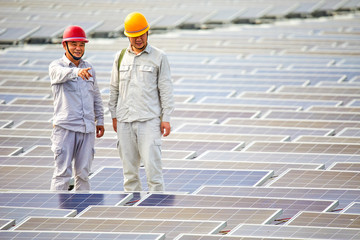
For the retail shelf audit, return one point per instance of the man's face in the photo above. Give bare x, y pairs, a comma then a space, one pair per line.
76, 48
139, 43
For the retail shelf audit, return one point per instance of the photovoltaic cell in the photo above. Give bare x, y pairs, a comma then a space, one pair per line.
350, 132
318, 179
344, 196
64, 235
170, 227
267, 230
76, 201
183, 180
332, 139
289, 206
316, 219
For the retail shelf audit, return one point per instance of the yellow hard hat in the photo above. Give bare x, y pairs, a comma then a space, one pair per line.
135, 25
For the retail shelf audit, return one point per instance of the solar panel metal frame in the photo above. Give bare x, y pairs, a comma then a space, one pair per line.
354, 207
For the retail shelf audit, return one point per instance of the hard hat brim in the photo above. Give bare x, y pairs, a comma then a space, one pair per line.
137, 33
75, 39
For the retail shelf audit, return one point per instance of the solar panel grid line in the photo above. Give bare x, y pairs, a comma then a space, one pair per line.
313, 89
186, 236
253, 230
343, 220
170, 227
65, 235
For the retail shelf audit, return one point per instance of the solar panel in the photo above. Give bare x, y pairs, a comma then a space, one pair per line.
170, 227
7, 151
268, 102
301, 96
289, 206
220, 115
183, 180
326, 159
238, 88
333, 109
75, 201
243, 129
65, 235
344, 196
318, 179
252, 230
350, 166
355, 132
354, 103
243, 81
317, 90
8, 97
276, 114
200, 164
327, 148
185, 236
25, 177
315, 219
303, 123
26, 132
233, 216
26, 108
20, 213
247, 138
352, 208
201, 106
333, 139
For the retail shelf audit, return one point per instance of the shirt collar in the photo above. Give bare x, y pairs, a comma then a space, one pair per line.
147, 49
68, 62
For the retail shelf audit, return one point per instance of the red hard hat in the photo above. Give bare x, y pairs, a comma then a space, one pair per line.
74, 33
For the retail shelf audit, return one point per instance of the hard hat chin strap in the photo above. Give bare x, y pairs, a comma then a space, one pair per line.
75, 58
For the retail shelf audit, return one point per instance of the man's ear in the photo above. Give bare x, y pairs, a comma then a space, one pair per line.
64, 45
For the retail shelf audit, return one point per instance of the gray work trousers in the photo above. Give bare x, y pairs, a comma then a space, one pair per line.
71, 148
141, 141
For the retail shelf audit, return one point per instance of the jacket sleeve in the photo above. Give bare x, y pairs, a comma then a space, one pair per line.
165, 87
98, 104
114, 87
60, 74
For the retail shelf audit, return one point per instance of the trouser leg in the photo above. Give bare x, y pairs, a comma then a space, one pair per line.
83, 157
149, 141
129, 155
63, 142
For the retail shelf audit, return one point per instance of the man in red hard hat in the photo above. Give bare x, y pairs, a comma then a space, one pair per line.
78, 113
141, 102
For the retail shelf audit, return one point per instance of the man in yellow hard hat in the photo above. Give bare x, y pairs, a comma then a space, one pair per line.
141, 102
78, 113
